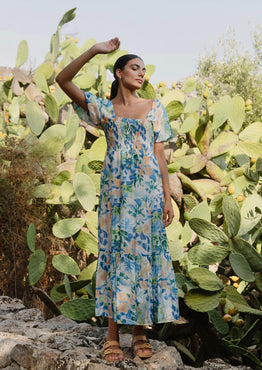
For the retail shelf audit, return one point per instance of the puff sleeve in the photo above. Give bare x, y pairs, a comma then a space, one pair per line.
162, 127
94, 116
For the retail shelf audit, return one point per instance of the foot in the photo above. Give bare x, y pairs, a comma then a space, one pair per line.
111, 351
141, 346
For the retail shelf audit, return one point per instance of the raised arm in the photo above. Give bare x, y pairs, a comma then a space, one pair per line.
65, 77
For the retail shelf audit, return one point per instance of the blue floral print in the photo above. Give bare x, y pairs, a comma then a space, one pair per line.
135, 280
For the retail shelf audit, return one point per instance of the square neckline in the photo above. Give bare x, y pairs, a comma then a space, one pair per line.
133, 119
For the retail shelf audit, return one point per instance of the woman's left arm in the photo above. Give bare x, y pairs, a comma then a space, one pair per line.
168, 213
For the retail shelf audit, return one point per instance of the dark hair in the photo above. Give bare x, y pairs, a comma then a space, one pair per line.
120, 64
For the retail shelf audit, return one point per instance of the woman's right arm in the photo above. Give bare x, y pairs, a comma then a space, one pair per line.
65, 77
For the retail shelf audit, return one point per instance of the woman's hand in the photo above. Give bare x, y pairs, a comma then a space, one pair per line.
107, 47
168, 213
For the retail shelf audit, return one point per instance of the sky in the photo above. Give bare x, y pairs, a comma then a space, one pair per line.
170, 34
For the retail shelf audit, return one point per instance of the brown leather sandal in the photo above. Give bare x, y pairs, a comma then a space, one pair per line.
109, 348
139, 343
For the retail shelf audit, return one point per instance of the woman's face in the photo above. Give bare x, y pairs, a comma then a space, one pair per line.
133, 74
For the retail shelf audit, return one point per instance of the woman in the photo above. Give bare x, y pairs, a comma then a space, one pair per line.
135, 281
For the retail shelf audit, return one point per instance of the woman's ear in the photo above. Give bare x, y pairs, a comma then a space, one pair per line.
118, 73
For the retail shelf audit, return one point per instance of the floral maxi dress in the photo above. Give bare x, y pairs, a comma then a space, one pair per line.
135, 280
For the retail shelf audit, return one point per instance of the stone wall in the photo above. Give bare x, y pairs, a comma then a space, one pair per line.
27, 341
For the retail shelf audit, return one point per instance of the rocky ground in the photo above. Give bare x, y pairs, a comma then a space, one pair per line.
27, 341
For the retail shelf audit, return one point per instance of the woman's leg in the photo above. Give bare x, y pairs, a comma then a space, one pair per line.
113, 335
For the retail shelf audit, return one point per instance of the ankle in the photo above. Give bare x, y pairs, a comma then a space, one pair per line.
138, 330
112, 337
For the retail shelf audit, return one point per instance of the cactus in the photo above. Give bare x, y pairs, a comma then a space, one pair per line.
74, 285
92, 222
36, 268
174, 109
252, 132
189, 85
192, 105
61, 177
85, 80
241, 267
239, 302
222, 111
253, 258
67, 227
14, 110
52, 107
214, 171
74, 146
232, 215
22, 54
201, 300
95, 165
87, 242
223, 143
53, 131
40, 82
176, 250
56, 295
68, 287
237, 115
67, 193
85, 190
80, 309
251, 213
207, 253
65, 264
35, 117
82, 164
258, 279
190, 201
201, 211
208, 230
206, 279
48, 70
219, 323
30, 237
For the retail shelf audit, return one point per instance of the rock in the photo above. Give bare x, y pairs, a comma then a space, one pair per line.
8, 305
29, 357
7, 342
27, 341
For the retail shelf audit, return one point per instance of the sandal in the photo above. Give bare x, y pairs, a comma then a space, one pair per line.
139, 343
111, 347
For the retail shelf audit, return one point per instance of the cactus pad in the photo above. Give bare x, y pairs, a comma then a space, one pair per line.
79, 309
201, 300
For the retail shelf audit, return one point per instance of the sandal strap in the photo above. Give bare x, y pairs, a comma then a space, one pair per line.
108, 351
110, 343
142, 346
111, 347
137, 338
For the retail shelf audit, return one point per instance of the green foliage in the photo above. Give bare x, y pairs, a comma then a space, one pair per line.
201, 300
85, 190
30, 237
233, 70
217, 163
35, 117
79, 309
36, 266
67, 227
206, 279
241, 267
65, 264
22, 53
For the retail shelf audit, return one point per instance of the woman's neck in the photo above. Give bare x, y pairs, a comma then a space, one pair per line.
125, 96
